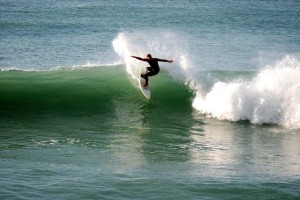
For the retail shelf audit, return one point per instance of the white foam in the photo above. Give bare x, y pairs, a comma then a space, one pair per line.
273, 96
160, 43
17, 69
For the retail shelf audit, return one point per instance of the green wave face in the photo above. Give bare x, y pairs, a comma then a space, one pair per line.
85, 90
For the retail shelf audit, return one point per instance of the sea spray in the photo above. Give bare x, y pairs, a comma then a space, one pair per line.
162, 44
272, 96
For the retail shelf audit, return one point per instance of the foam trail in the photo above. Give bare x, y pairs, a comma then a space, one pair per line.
273, 96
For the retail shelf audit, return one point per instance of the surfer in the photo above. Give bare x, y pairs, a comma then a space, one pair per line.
154, 67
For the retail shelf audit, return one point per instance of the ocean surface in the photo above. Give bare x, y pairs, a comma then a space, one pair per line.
223, 121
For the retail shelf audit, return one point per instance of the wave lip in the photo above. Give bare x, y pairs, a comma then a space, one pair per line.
272, 97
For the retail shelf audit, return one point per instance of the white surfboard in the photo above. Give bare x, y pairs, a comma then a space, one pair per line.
145, 90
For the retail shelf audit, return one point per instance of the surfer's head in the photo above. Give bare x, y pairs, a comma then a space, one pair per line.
149, 56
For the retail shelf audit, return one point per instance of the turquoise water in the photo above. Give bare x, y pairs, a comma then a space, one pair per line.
223, 120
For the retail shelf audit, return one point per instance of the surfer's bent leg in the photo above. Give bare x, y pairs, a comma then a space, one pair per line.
149, 69
150, 72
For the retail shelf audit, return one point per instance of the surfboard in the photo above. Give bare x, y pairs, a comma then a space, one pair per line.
145, 90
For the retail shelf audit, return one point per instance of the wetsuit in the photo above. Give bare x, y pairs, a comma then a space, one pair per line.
154, 67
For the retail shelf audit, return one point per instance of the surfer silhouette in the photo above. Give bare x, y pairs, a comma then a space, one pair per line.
154, 67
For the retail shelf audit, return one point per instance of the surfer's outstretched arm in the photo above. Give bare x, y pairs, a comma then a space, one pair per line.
149, 58
164, 60
139, 58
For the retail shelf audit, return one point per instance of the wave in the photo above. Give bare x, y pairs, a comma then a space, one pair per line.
82, 89
268, 96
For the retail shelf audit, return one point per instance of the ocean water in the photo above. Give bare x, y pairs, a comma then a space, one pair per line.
223, 121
